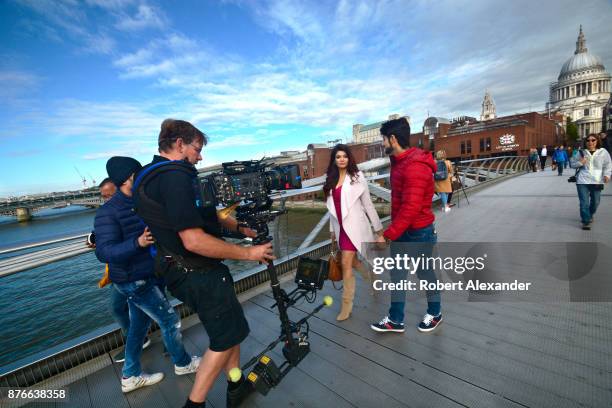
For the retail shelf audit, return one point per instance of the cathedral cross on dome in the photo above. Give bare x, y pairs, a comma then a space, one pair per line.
580, 42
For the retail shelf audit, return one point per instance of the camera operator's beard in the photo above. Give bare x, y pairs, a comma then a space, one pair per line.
388, 151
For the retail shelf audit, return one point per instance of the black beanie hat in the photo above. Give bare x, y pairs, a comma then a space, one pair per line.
121, 168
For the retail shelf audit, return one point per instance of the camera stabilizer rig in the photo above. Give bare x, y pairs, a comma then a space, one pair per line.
245, 187
266, 374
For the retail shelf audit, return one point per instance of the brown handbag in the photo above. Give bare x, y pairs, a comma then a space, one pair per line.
335, 267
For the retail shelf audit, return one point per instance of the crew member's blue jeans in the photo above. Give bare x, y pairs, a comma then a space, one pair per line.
428, 236
120, 310
589, 201
146, 302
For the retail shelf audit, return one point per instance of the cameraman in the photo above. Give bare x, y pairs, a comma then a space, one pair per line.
191, 251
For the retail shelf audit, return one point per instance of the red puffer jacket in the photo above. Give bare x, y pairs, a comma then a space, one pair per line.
412, 189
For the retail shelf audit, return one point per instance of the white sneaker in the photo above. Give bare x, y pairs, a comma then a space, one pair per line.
142, 380
147, 343
190, 368
446, 209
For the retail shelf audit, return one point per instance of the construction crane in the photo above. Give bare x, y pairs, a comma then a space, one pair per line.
83, 179
93, 181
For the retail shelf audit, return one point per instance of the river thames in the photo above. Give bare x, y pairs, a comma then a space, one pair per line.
54, 303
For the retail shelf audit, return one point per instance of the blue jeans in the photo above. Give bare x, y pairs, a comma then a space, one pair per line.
589, 201
560, 167
443, 198
146, 302
119, 309
426, 235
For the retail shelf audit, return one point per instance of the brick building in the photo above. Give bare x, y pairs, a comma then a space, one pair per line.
511, 135
466, 137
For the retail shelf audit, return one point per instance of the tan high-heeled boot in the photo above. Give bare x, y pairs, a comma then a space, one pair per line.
348, 294
367, 277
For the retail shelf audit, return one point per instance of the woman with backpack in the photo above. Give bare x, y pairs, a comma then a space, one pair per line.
442, 178
594, 168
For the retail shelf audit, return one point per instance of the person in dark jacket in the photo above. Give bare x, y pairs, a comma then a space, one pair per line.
122, 241
412, 220
118, 302
533, 159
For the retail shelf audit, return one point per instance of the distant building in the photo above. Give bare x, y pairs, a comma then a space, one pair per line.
582, 89
433, 127
371, 133
488, 108
606, 123
510, 135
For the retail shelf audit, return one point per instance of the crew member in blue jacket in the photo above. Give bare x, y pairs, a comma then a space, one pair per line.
123, 241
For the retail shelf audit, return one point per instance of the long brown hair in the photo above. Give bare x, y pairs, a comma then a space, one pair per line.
333, 173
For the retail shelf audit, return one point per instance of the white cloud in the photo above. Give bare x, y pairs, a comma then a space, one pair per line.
99, 44
69, 17
337, 64
17, 83
173, 59
146, 17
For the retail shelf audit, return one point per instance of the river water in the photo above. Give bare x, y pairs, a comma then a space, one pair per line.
51, 304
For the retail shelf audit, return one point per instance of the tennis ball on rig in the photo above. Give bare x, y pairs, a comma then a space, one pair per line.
328, 300
235, 374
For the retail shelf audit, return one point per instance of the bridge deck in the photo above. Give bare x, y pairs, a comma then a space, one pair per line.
484, 354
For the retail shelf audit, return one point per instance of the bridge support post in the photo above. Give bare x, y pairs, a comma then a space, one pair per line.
24, 214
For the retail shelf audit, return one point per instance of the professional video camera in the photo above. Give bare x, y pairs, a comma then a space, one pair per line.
249, 181
246, 187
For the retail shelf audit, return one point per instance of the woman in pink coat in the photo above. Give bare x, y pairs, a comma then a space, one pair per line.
352, 217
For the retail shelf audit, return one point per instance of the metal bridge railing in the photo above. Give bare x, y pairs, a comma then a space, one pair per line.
473, 172
34, 369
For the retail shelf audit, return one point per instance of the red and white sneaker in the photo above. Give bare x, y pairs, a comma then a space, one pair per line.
429, 323
387, 325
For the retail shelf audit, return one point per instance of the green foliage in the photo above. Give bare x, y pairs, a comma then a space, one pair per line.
571, 131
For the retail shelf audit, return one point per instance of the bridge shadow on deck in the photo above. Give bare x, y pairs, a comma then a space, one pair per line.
483, 355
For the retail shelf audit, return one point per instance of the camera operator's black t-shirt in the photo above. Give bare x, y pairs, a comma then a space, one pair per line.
174, 190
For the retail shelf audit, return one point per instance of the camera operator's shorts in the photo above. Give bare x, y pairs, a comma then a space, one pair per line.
210, 293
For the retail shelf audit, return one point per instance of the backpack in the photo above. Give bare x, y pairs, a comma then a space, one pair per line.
441, 171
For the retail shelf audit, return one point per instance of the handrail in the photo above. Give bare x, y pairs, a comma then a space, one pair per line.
43, 243
38, 367
33, 369
471, 172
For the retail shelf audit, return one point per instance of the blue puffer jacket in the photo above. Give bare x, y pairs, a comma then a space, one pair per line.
560, 155
117, 229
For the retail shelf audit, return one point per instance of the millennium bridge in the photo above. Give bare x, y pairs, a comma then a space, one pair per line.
485, 354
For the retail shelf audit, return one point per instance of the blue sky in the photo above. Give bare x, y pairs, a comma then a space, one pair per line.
81, 81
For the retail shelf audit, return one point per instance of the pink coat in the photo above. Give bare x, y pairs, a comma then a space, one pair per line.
358, 212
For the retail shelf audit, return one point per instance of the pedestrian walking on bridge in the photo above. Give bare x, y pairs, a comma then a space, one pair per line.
533, 159
543, 156
560, 158
594, 168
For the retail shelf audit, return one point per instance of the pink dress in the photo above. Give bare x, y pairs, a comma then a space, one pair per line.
344, 241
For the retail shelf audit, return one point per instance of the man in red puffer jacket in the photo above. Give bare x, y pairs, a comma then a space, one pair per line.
412, 221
